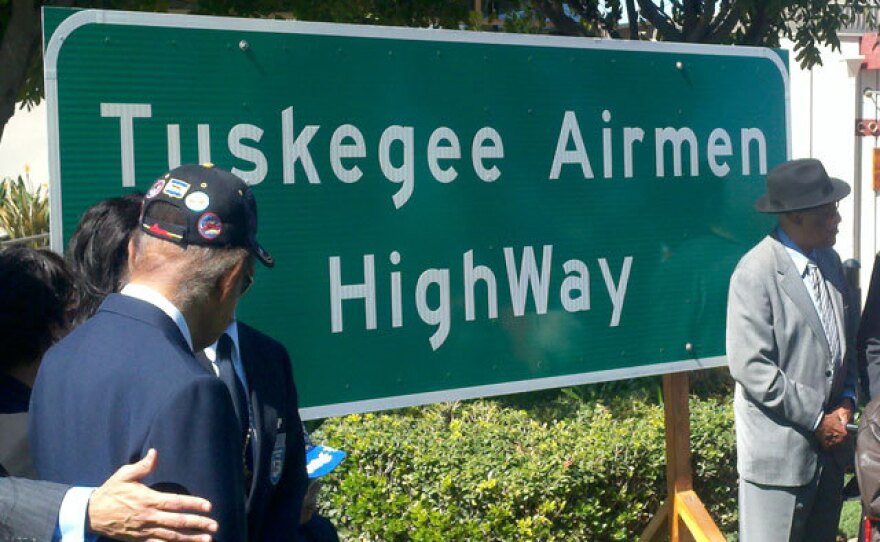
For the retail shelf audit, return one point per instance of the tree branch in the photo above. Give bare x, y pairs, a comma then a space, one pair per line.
756, 32
724, 24
20, 45
660, 21
701, 28
690, 19
563, 23
633, 16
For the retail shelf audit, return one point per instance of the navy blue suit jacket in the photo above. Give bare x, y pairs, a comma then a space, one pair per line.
126, 381
280, 479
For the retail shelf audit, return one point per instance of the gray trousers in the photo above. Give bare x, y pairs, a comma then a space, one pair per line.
808, 513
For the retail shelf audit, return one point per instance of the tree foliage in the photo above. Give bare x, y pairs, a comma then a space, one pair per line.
19, 47
418, 13
810, 24
21, 77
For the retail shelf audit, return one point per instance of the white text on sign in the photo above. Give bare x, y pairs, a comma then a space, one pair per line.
525, 279
395, 150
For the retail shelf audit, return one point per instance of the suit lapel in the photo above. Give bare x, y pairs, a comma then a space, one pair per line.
793, 285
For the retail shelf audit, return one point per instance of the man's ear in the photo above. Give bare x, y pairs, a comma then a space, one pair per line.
230, 281
132, 252
793, 218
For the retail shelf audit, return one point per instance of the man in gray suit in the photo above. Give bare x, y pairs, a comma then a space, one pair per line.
122, 509
788, 347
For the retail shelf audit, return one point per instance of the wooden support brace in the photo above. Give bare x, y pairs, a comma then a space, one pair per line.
683, 512
696, 518
654, 530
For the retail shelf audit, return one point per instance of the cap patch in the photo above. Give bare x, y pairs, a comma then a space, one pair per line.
156, 229
197, 201
277, 463
155, 189
176, 188
203, 205
210, 226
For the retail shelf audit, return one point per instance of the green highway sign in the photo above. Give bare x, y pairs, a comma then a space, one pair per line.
453, 214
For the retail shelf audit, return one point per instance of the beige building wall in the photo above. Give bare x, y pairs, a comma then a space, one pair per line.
825, 103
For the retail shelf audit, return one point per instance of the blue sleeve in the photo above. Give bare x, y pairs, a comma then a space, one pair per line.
849, 387
282, 517
197, 438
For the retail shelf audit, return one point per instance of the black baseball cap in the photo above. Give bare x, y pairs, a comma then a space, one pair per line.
199, 204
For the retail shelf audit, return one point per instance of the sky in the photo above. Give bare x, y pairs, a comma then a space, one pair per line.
25, 146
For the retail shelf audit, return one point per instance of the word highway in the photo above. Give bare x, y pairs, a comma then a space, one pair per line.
525, 278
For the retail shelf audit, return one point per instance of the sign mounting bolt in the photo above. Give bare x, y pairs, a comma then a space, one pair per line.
243, 45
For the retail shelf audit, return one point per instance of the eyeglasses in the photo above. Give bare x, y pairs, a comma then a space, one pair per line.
826, 211
247, 283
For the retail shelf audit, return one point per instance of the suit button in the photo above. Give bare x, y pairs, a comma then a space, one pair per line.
828, 372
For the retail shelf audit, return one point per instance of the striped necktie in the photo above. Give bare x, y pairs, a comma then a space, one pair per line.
826, 312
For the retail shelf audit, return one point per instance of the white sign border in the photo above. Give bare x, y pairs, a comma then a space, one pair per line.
129, 18
507, 388
202, 22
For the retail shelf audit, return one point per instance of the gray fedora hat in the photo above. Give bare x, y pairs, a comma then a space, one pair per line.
798, 185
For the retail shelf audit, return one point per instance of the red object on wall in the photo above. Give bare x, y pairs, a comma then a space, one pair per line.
876, 165
867, 127
870, 49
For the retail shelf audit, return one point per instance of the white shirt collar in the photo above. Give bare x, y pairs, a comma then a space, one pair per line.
799, 259
151, 296
232, 331
211, 353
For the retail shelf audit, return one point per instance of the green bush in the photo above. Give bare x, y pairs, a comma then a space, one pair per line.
23, 213
483, 471
850, 518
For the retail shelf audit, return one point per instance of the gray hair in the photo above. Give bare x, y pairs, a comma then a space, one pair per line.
197, 268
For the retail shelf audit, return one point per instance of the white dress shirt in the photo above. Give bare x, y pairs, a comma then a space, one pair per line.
151, 296
211, 354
